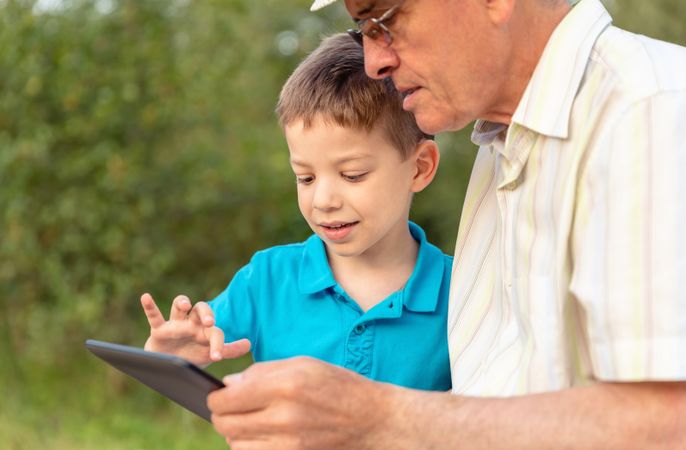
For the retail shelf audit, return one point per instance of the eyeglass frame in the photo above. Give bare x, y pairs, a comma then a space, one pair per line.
377, 26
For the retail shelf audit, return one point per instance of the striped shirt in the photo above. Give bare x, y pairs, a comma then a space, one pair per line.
571, 250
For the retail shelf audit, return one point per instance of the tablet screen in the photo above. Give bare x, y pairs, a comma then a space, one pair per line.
172, 376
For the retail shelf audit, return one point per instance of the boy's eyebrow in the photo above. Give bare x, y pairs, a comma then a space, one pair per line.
297, 162
341, 160
352, 157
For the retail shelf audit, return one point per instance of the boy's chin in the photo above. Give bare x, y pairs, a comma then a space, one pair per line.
340, 250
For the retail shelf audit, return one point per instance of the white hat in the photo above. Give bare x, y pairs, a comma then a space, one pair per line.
319, 4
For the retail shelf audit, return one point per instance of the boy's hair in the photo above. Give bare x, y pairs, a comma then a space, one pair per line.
331, 84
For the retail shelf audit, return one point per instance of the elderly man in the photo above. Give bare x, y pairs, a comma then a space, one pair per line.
567, 326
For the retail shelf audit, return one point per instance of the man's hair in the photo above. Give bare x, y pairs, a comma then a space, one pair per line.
331, 84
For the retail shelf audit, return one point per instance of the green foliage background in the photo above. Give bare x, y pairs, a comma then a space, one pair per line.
139, 152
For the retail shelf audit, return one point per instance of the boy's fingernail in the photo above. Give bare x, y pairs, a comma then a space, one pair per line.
216, 355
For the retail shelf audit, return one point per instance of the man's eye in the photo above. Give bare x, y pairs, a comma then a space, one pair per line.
388, 21
304, 180
354, 176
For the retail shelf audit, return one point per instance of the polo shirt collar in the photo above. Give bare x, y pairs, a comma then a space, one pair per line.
422, 289
546, 105
420, 293
315, 273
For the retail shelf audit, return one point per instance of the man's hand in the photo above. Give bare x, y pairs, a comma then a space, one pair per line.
189, 332
301, 403
305, 404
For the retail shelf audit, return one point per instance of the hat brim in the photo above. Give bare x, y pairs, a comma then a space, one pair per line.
319, 4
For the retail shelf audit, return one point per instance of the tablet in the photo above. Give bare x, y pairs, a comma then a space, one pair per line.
172, 376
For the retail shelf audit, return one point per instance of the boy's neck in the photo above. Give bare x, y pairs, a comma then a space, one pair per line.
373, 276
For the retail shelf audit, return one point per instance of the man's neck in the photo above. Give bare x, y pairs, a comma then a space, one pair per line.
531, 28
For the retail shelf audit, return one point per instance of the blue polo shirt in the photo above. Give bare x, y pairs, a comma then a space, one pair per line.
287, 302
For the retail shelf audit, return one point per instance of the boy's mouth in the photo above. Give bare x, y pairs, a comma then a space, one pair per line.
337, 225
337, 231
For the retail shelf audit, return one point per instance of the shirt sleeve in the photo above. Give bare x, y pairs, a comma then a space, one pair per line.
630, 263
235, 308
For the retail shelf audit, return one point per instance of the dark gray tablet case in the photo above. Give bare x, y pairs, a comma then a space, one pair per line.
171, 376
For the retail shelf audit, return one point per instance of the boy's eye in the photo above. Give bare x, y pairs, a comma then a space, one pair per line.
304, 179
354, 176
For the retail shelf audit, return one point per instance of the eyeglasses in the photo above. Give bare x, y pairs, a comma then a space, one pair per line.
375, 28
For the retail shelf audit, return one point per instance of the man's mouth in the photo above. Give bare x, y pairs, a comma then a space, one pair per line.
407, 95
408, 92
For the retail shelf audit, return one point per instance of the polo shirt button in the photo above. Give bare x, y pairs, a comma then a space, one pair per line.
360, 329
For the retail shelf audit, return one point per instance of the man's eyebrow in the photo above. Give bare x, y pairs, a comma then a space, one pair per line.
365, 9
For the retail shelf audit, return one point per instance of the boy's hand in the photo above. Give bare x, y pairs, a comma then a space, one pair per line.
189, 332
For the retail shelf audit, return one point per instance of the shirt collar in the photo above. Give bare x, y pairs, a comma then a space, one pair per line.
422, 289
315, 273
546, 105
420, 293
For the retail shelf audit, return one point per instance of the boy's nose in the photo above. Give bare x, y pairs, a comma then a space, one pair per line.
325, 197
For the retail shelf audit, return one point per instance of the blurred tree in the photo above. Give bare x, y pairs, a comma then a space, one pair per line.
660, 19
139, 152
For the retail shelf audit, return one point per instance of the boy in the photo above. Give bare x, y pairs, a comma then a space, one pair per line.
366, 291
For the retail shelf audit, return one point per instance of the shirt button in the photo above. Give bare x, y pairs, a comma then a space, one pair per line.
360, 329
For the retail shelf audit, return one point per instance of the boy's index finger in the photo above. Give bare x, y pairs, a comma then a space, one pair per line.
216, 337
152, 312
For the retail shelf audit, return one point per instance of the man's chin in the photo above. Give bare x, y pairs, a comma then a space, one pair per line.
430, 124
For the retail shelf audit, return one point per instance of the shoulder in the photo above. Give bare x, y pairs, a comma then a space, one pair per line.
280, 251
272, 267
285, 255
437, 253
639, 66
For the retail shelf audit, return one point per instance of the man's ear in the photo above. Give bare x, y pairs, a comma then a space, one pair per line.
500, 11
426, 157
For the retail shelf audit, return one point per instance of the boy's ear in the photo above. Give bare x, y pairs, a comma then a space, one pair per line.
426, 157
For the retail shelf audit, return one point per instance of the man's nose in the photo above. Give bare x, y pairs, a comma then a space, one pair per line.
326, 197
379, 61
